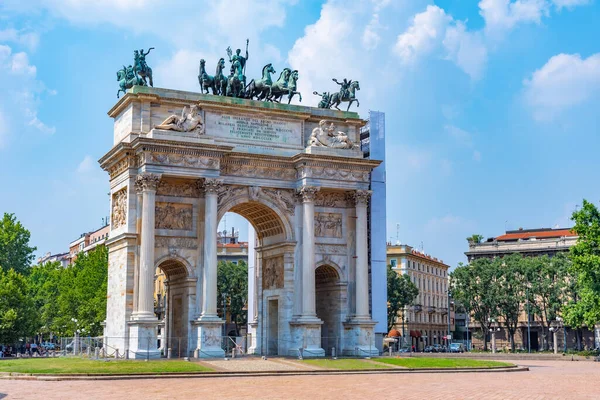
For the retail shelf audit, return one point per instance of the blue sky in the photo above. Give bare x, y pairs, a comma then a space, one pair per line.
492, 106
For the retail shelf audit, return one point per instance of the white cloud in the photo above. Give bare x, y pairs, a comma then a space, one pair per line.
20, 64
570, 3
22, 91
565, 81
328, 50
466, 49
27, 39
424, 35
435, 31
502, 15
86, 165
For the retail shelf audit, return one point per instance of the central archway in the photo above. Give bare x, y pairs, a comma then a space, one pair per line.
270, 294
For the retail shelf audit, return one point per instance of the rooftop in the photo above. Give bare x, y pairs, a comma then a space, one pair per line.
406, 249
542, 233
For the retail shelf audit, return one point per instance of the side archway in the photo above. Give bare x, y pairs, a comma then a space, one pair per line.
331, 295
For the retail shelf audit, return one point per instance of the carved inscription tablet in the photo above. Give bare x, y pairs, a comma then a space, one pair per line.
254, 129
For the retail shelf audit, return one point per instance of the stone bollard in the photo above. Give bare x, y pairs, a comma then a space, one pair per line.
116, 353
96, 353
333, 353
169, 352
197, 353
233, 352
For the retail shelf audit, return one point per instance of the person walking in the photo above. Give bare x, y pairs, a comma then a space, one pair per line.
34, 349
28, 349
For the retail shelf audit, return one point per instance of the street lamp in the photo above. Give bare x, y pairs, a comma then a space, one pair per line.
554, 330
493, 331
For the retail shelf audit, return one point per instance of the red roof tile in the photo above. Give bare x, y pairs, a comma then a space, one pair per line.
545, 234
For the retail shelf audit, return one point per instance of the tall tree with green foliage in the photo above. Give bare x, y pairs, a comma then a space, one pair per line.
17, 312
15, 251
547, 278
401, 292
510, 273
232, 288
585, 256
44, 283
474, 286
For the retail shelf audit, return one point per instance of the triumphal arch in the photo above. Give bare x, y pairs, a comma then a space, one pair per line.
179, 162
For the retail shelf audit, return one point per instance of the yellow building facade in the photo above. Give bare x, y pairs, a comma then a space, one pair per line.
428, 320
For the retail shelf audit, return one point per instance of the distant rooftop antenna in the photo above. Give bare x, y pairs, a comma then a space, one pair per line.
422, 251
397, 233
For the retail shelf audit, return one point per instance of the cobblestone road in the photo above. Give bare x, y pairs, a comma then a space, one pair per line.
546, 380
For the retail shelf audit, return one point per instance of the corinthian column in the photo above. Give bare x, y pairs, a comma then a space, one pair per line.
308, 195
146, 184
361, 198
209, 290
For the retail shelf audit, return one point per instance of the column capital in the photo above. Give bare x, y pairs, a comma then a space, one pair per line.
212, 185
361, 197
147, 181
308, 193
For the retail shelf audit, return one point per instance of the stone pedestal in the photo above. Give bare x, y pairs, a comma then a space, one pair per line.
142, 340
253, 343
306, 335
359, 339
209, 337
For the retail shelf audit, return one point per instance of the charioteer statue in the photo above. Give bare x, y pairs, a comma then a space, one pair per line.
237, 79
136, 74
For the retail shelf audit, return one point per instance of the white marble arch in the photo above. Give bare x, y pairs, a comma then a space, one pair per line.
278, 176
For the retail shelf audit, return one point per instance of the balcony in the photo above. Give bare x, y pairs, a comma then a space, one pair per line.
417, 308
430, 309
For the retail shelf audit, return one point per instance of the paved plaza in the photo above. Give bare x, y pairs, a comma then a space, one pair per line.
545, 380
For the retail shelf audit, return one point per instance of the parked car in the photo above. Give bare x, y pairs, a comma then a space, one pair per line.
404, 350
438, 348
49, 346
457, 348
428, 349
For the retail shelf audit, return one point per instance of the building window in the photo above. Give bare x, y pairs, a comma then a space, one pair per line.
394, 263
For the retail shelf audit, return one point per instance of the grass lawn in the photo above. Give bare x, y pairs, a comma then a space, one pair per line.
419, 362
344, 364
82, 366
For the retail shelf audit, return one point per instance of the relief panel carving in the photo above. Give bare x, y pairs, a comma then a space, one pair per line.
173, 216
178, 188
119, 208
331, 199
328, 225
272, 273
183, 160
259, 172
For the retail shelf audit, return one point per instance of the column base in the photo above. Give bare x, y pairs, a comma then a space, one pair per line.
142, 340
209, 337
359, 338
306, 337
253, 344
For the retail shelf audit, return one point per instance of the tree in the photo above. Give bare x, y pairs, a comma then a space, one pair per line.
474, 287
585, 256
232, 287
44, 282
15, 252
510, 291
401, 293
548, 279
475, 238
17, 311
